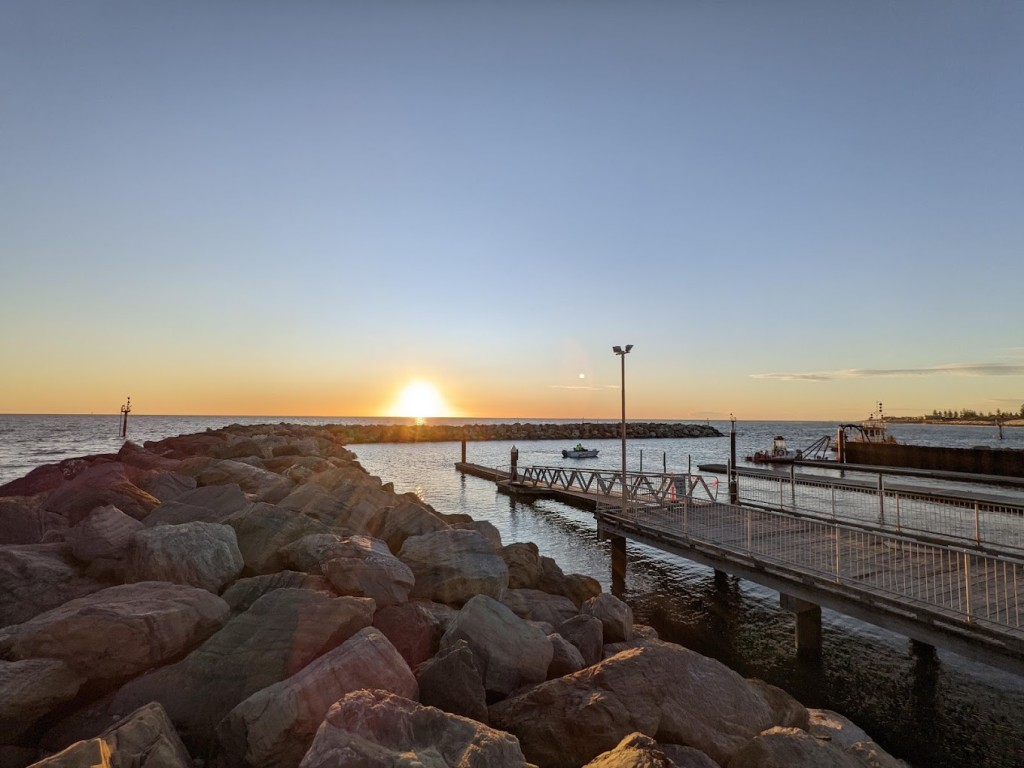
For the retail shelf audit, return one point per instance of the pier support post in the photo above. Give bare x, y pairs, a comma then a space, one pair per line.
808, 625
463, 450
514, 474
618, 565
721, 578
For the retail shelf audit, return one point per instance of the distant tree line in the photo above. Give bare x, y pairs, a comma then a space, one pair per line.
967, 413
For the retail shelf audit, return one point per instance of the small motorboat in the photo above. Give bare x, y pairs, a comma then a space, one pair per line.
579, 452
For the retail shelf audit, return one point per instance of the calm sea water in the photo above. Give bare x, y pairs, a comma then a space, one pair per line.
940, 711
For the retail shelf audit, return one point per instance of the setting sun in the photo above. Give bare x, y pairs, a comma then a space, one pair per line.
419, 400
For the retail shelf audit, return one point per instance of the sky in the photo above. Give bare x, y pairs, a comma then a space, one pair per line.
792, 210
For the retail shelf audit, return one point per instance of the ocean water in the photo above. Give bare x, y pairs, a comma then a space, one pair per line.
935, 711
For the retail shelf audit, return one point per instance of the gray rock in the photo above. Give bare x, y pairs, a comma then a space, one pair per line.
791, 746
405, 517
451, 566
587, 634
265, 529
280, 634
274, 727
510, 652
263, 485
204, 555
616, 617
534, 605
29, 690
35, 578
118, 632
452, 681
244, 592
415, 628
369, 570
566, 657
524, 567
635, 751
105, 532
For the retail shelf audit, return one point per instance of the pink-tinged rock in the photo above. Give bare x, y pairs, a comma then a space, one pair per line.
634, 751
281, 633
204, 555
274, 727
785, 710
510, 652
534, 605
144, 739
119, 632
37, 577
616, 617
376, 728
486, 529
687, 757
29, 690
661, 690
263, 530
451, 566
365, 567
415, 628
105, 532
166, 486
134, 455
344, 498
843, 734
100, 485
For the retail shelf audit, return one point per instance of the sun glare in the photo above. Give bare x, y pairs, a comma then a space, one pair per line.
420, 400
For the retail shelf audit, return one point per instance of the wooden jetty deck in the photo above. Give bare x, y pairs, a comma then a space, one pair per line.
951, 592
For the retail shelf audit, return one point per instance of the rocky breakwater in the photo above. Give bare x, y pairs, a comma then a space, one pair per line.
438, 433
252, 597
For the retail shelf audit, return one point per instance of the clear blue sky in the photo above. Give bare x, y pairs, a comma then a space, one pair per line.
791, 209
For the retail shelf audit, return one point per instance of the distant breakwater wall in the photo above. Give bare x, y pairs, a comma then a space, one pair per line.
439, 433
1006, 462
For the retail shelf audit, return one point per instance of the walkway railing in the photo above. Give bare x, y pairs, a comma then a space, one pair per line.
951, 584
935, 516
641, 487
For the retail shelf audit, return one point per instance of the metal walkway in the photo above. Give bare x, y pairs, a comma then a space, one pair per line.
944, 571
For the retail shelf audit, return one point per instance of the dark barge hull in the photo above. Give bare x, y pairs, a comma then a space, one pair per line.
1006, 462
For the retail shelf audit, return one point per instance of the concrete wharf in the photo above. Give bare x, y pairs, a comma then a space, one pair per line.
945, 571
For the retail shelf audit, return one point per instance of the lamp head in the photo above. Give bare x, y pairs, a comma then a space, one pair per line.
629, 347
617, 350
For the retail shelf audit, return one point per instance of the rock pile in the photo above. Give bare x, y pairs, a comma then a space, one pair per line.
252, 597
424, 433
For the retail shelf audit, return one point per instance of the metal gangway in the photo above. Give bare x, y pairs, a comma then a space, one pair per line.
942, 569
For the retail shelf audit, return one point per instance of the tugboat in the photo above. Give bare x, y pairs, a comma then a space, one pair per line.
779, 454
579, 452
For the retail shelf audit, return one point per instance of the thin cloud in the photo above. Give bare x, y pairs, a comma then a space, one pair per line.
588, 387
951, 369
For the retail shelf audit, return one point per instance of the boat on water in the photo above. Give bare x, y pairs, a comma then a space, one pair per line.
579, 452
778, 454
871, 430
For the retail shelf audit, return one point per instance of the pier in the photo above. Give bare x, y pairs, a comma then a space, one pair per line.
947, 571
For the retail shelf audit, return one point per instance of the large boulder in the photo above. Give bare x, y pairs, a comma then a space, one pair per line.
451, 566
29, 690
23, 520
792, 746
204, 555
616, 617
415, 628
843, 734
452, 681
263, 530
509, 651
274, 727
524, 567
575, 586
263, 485
166, 486
566, 657
244, 592
37, 577
100, 485
144, 739
365, 567
376, 728
406, 517
587, 634
663, 691
119, 632
534, 605
280, 634
105, 532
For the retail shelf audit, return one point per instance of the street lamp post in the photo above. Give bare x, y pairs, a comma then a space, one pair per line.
622, 352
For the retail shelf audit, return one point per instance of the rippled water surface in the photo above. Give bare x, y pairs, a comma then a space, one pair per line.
933, 710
